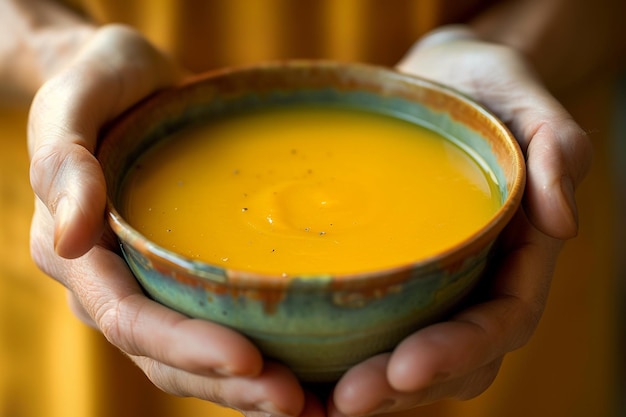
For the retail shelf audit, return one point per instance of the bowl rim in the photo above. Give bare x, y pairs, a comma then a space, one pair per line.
450, 257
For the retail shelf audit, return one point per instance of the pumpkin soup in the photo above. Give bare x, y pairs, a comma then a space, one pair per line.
308, 189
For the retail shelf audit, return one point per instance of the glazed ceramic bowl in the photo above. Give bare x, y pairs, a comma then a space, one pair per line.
321, 325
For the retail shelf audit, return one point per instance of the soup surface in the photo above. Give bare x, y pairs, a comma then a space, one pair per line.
307, 190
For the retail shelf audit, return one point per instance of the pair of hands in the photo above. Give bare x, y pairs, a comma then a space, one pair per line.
458, 358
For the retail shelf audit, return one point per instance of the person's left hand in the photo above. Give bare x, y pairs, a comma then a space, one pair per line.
461, 357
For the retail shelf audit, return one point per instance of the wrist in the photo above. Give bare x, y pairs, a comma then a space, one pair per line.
54, 48
39, 39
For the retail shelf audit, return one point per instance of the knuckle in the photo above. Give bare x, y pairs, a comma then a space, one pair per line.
160, 375
107, 317
533, 312
117, 321
478, 382
179, 383
527, 315
162, 378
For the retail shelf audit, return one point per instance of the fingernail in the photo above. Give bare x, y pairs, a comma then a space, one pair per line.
269, 407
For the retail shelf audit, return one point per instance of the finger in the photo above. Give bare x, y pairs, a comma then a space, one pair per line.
109, 296
142, 327
312, 408
558, 157
363, 389
558, 151
275, 390
69, 180
115, 70
484, 332
469, 346
369, 392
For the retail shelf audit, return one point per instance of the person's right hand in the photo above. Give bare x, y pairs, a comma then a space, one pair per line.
70, 241
459, 358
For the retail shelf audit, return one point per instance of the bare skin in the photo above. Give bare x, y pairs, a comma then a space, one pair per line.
99, 72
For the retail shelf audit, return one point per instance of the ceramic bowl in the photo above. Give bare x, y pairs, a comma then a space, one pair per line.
322, 325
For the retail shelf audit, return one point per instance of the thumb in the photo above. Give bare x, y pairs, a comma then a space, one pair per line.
68, 179
115, 69
558, 156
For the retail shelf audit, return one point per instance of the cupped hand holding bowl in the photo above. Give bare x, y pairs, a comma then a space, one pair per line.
430, 364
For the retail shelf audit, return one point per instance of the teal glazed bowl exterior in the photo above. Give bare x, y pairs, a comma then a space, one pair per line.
317, 325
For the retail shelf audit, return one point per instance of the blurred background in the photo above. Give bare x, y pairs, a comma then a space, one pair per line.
51, 365
619, 166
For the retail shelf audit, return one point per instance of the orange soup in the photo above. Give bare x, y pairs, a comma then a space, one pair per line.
306, 190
